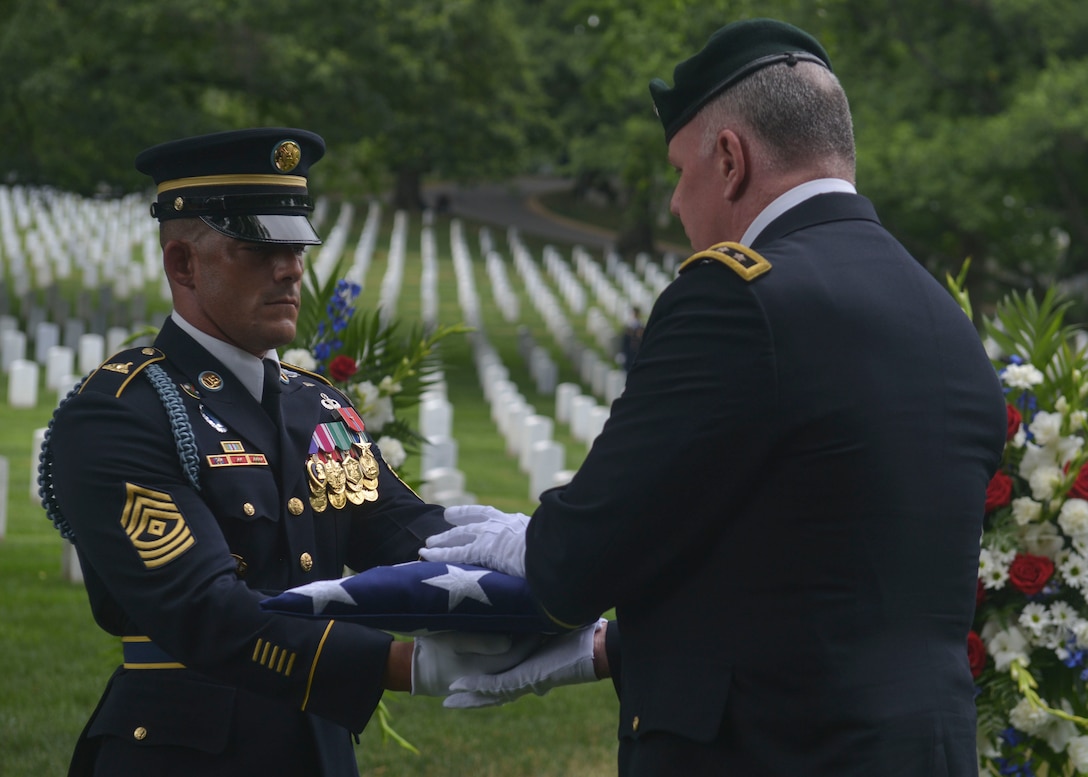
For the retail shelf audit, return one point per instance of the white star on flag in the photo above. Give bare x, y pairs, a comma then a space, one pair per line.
461, 584
324, 591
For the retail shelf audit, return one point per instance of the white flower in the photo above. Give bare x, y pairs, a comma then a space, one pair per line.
1063, 614
1007, 646
1069, 448
1034, 458
380, 413
1077, 419
1073, 518
1042, 539
1035, 617
1021, 376
367, 394
1061, 732
389, 387
392, 451
1020, 437
1078, 753
300, 357
1028, 718
375, 409
1044, 482
1080, 631
1075, 571
992, 570
1025, 510
1047, 427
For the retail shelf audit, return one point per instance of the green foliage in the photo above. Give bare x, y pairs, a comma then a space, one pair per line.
385, 372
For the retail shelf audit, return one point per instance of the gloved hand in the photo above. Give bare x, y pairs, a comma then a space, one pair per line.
439, 659
566, 659
483, 536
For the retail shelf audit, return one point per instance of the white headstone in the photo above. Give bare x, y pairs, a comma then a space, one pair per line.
35, 455
614, 386
435, 418
46, 335
59, 364
441, 480
545, 461
70, 570
92, 351
597, 416
579, 416
438, 452
564, 393
534, 429
115, 339
23, 383
12, 348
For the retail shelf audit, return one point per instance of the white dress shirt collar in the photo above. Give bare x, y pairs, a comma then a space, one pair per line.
246, 367
790, 199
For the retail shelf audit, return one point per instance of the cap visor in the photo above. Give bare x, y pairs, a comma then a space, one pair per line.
295, 230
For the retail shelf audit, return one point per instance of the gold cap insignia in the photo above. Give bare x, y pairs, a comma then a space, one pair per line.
286, 156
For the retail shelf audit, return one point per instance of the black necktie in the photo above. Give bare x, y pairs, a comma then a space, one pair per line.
270, 398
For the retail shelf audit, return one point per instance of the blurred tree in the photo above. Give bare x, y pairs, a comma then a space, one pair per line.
972, 132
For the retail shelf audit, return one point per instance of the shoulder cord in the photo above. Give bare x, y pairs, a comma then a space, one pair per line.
184, 439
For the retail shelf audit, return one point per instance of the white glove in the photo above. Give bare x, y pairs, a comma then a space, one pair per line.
566, 659
439, 659
483, 536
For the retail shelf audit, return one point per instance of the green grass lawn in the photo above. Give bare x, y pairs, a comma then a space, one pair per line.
54, 661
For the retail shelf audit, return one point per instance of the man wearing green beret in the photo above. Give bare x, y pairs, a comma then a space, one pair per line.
795, 473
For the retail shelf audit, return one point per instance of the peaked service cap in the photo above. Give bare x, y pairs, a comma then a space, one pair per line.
247, 184
733, 52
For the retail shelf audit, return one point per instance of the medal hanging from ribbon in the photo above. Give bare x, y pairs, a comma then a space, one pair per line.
341, 467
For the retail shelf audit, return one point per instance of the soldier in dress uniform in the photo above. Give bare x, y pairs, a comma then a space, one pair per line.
199, 474
795, 472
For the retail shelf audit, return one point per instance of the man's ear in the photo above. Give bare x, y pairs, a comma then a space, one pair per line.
732, 163
178, 261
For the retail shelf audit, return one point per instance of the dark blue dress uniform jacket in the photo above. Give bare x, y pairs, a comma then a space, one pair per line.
186, 566
785, 509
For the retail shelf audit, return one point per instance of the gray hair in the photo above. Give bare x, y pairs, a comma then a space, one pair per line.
799, 114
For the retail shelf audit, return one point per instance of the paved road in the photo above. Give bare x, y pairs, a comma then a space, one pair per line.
514, 204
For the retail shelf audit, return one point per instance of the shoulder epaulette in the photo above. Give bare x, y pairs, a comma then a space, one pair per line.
308, 373
115, 374
740, 259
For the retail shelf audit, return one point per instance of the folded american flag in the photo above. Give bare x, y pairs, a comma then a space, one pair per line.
420, 597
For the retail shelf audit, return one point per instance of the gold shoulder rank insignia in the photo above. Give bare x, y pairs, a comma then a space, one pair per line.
155, 526
296, 368
740, 259
114, 376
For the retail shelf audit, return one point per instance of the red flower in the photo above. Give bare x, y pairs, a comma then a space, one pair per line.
1079, 489
1029, 573
976, 653
999, 492
1013, 422
342, 367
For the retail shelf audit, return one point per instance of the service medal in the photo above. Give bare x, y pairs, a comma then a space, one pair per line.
319, 501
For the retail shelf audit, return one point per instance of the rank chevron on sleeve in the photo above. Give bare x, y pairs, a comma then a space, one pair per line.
155, 526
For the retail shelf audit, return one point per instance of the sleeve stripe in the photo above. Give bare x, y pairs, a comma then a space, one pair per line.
313, 666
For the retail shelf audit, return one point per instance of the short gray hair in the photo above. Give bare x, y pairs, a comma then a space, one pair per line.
799, 113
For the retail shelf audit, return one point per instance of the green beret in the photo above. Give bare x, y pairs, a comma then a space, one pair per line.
733, 52
249, 184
